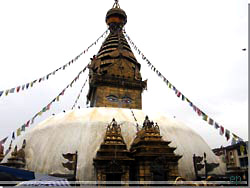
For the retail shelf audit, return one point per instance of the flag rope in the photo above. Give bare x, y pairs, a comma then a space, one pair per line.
39, 80
79, 94
137, 125
46, 108
205, 117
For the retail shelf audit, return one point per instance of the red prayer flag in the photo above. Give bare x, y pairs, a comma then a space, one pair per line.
18, 88
221, 130
198, 111
178, 94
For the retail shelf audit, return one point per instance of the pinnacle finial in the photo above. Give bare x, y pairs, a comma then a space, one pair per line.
116, 4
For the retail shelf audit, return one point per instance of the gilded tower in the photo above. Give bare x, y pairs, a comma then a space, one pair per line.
114, 73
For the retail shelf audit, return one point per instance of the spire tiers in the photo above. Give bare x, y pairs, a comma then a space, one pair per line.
114, 73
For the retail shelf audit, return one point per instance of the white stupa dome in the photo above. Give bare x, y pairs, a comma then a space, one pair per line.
84, 130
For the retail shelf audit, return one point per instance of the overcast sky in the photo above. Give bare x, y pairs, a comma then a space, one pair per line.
196, 44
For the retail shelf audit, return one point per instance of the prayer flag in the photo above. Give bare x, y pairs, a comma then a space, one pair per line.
6, 92
44, 109
13, 135
12, 90
216, 125
33, 119
211, 121
175, 90
31, 84
182, 97
48, 106
198, 111
1, 92
18, 133
27, 85
227, 134
23, 87
27, 124
47, 76
178, 94
221, 130
194, 108
169, 85
40, 113
18, 89
40, 79
3, 140
204, 117
57, 98
23, 127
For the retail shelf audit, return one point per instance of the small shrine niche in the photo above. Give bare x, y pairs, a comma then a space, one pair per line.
112, 161
154, 159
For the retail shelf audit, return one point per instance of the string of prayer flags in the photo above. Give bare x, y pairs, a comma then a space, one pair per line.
39, 80
79, 94
177, 92
44, 109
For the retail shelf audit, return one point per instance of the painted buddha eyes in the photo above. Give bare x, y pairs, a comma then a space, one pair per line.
126, 100
113, 98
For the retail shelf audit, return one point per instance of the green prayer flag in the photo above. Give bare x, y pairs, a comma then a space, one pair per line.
44, 109
23, 127
204, 117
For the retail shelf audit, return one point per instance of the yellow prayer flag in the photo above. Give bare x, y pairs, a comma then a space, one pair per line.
6, 92
40, 113
57, 98
18, 133
169, 85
